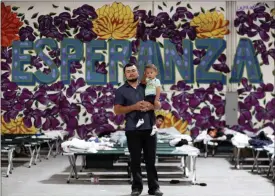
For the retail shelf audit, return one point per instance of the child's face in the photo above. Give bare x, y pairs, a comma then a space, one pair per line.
213, 133
159, 122
150, 73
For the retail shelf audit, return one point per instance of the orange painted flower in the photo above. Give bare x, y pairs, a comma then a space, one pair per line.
210, 25
171, 121
115, 21
10, 25
16, 126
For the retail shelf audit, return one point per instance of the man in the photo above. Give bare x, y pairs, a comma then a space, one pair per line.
129, 100
159, 120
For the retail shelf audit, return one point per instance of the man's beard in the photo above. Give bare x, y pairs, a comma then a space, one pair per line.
132, 80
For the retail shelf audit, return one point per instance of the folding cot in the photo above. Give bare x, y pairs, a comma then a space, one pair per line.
163, 149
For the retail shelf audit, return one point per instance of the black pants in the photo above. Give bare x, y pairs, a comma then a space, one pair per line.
149, 98
141, 140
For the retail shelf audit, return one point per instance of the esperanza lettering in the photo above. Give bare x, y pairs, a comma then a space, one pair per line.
119, 51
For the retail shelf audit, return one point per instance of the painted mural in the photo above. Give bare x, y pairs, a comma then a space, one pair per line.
62, 64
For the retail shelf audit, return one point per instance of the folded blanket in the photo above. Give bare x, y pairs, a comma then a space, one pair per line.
240, 140
190, 150
77, 145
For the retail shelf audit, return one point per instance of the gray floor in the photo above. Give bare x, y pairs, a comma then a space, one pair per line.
49, 178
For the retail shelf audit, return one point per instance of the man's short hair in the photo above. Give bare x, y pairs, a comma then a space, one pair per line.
160, 116
128, 65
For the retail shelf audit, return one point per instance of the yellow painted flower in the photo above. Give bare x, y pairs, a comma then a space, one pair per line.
115, 21
16, 126
210, 25
171, 121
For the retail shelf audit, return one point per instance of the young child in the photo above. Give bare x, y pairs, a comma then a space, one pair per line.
152, 91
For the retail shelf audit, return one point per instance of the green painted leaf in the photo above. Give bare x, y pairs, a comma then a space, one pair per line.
85, 113
264, 101
80, 72
202, 10
23, 18
30, 52
171, 9
15, 8
34, 15
136, 8
55, 6
36, 34
160, 7
213, 9
222, 8
164, 4
52, 14
35, 24
26, 22
36, 104
189, 6
30, 8
161, 45
20, 14
75, 30
196, 13
67, 8
178, 3
86, 119
68, 33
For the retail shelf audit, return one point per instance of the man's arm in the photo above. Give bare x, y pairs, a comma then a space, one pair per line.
119, 109
150, 106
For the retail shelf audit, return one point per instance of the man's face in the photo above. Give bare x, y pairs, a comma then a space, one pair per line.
213, 133
159, 122
131, 74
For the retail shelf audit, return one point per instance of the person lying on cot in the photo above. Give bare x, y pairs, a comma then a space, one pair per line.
216, 133
159, 120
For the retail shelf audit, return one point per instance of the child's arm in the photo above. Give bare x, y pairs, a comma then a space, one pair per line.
143, 80
158, 90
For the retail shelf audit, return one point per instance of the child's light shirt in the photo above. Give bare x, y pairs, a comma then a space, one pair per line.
151, 86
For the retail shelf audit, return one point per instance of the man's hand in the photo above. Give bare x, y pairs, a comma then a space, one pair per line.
139, 106
148, 106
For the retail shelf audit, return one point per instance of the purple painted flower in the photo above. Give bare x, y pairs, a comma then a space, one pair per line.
6, 85
266, 87
83, 131
180, 98
57, 98
165, 105
85, 10
74, 86
200, 95
101, 67
40, 96
259, 46
108, 89
60, 21
267, 113
47, 71
219, 104
189, 30
36, 61
245, 114
102, 116
54, 53
269, 124
247, 87
35, 114
86, 35
105, 101
222, 66
181, 13
195, 131
244, 127
133, 60
51, 121
6, 53
204, 120
263, 34
58, 86
118, 119
243, 19
87, 100
216, 85
252, 98
26, 33
217, 123
181, 112
135, 45
180, 86
104, 129
47, 28
74, 66
140, 15
199, 54
68, 113
5, 66
12, 108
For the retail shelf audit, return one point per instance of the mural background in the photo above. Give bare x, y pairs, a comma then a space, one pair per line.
82, 109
